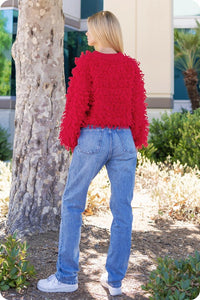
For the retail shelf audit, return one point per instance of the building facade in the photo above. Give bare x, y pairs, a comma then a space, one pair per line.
186, 13
76, 13
147, 27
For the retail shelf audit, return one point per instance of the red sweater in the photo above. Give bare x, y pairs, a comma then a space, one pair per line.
106, 90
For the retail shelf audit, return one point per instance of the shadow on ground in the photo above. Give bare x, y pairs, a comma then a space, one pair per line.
176, 240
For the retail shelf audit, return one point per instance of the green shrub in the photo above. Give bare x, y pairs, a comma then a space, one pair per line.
176, 135
188, 148
149, 152
5, 147
175, 279
15, 270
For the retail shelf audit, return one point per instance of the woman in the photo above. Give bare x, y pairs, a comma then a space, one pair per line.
103, 123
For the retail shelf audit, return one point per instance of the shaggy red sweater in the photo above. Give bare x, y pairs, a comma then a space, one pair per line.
106, 90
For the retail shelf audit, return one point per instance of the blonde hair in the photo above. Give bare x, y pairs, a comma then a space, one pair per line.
106, 29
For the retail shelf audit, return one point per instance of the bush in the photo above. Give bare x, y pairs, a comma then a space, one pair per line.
149, 152
174, 188
176, 135
188, 148
15, 270
5, 147
175, 279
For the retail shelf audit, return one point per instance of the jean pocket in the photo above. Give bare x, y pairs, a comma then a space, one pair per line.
90, 141
126, 140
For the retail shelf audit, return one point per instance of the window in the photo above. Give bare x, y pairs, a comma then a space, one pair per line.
75, 42
89, 7
6, 18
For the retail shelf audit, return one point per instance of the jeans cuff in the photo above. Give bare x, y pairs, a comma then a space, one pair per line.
66, 280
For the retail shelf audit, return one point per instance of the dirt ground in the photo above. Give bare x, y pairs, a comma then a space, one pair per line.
151, 237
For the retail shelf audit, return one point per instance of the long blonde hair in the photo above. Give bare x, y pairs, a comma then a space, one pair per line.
106, 29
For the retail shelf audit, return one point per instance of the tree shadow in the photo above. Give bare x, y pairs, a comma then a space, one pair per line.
163, 238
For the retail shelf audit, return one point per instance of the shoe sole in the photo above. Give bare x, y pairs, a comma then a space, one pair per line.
59, 290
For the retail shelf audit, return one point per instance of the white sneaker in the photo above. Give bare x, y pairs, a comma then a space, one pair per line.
113, 291
52, 285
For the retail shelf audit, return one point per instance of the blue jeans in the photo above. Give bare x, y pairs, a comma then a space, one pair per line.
97, 147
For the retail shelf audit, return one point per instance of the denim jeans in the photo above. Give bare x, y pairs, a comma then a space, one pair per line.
97, 147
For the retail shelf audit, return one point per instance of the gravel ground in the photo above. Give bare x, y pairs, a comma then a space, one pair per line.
152, 237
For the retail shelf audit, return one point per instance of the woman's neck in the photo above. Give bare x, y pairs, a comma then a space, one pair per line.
106, 50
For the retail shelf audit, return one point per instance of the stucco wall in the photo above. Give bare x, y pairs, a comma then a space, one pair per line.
147, 27
72, 8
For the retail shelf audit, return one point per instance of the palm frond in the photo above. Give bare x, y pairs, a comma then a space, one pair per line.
187, 50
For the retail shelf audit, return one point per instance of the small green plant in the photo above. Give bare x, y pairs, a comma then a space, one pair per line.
176, 135
175, 279
5, 147
165, 134
149, 152
15, 270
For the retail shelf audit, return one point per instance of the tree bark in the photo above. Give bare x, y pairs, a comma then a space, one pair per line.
191, 81
40, 164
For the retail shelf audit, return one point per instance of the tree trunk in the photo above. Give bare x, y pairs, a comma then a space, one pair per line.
191, 81
40, 165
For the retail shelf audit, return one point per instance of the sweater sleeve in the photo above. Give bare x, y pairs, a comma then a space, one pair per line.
77, 100
140, 124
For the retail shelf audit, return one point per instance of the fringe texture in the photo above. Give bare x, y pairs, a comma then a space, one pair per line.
105, 90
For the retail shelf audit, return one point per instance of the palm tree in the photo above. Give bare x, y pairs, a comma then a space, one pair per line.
187, 59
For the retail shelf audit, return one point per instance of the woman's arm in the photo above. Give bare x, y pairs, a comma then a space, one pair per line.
77, 100
140, 122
